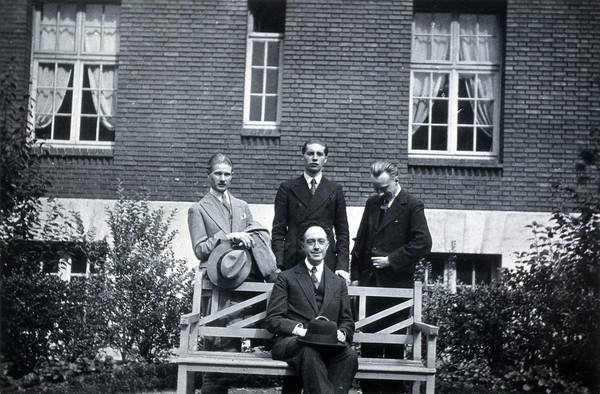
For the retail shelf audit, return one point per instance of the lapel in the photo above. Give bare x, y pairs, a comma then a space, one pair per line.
237, 214
300, 190
306, 285
328, 285
321, 196
398, 206
212, 207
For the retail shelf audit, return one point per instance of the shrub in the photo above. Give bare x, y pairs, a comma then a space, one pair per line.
148, 286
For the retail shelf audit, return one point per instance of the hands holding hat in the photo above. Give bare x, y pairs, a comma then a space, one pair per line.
241, 238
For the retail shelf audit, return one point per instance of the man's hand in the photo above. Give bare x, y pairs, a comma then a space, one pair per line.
341, 336
343, 274
380, 262
299, 330
241, 238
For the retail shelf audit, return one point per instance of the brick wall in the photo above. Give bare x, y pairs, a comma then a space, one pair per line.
346, 80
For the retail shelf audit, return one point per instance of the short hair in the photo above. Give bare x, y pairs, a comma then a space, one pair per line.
218, 158
380, 167
319, 142
313, 223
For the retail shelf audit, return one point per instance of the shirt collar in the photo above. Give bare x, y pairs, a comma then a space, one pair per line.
309, 178
220, 196
319, 272
394, 196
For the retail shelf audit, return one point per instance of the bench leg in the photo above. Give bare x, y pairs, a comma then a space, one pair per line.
430, 385
185, 381
416, 387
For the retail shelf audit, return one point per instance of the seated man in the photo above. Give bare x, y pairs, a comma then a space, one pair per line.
301, 294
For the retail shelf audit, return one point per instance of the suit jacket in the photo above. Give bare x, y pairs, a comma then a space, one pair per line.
293, 301
208, 223
294, 205
403, 236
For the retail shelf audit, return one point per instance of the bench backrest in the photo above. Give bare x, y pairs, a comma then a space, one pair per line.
254, 311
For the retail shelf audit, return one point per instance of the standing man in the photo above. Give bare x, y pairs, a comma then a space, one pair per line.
308, 291
217, 223
311, 197
392, 237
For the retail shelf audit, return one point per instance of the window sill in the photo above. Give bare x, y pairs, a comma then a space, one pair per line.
260, 135
265, 132
490, 167
75, 151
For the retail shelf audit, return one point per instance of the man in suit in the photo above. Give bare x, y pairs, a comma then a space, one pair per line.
220, 218
301, 294
311, 197
392, 237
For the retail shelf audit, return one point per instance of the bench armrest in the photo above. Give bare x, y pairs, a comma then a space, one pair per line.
426, 329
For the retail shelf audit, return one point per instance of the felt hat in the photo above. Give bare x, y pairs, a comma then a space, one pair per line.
321, 332
228, 267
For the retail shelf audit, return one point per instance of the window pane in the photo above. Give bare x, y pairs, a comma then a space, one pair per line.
256, 85
420, 138
106, 134
465, 112
48, 27
270, 109
256, 108
258, 53
464, 273
483, 272
273, 54
62, 127
484, 139
465, 139
88, 128
439, 138
431, 37
66, 28
439, 111
93, 29
272, 81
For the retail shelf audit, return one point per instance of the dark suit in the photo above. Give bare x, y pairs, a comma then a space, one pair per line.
293, 301
403, 236
294, 205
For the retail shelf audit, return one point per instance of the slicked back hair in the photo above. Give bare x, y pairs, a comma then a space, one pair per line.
319, 142
380, 167
218, 158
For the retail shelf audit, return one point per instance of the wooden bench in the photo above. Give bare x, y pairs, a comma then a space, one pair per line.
194, 326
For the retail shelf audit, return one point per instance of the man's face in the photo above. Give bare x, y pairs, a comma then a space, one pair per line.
315, 244
385, 185
314, 159
220, 177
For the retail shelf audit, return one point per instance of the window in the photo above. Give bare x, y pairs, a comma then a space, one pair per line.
455, 85
75, 49
262, 101
462, 270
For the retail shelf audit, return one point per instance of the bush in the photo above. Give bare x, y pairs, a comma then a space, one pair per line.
538, 327
149, 288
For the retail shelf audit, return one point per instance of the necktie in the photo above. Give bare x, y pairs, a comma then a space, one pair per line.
313, 277
313, 185
226, 205
382, 209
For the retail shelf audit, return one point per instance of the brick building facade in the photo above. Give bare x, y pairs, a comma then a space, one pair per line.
347, 74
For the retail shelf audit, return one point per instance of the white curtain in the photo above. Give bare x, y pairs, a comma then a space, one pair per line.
102, 84
52, 87
478, 43
100, 37
432, 42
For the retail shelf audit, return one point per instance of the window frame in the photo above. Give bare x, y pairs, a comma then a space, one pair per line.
79, 60
251, 38
455, 69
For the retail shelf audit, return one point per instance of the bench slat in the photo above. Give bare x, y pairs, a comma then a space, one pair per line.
194, 326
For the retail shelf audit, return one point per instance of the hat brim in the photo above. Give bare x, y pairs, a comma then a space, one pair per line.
338, 344
213, 262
